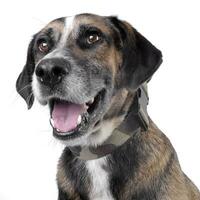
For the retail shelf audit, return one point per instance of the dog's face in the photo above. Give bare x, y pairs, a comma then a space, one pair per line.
83, 67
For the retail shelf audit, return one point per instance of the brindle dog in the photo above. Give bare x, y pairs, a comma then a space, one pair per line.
87, 68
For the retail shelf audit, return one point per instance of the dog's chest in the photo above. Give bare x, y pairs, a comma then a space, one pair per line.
100, 186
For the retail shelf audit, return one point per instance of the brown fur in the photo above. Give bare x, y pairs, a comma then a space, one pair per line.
57, 25
64, 182
161, 160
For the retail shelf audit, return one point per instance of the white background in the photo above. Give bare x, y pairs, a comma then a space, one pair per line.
28, 152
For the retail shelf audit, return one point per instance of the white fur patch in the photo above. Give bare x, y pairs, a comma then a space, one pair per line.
100, 188
69, 21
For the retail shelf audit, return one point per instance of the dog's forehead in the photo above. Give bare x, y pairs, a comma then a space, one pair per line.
93, 20
71, 24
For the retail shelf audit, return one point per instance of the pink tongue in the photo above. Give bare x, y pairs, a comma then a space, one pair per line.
65, 115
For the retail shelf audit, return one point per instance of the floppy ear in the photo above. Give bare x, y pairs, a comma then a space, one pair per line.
23, 84
140, 58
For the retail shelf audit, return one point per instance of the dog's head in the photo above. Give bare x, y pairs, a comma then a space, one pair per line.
85, 68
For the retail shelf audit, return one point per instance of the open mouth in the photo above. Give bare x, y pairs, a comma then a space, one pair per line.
70, 120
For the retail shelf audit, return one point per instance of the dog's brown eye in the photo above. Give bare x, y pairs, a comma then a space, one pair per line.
93, 38
43, 47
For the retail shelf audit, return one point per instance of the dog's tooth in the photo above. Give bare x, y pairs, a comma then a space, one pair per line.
52, 122
79, 119
91, 101
86, 107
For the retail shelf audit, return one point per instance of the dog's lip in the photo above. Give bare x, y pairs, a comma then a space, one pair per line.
86, 118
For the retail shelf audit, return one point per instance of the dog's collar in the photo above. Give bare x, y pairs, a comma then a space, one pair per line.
136, 121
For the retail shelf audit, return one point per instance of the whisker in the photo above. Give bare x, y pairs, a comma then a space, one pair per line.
15, 96
26, 86
29, 97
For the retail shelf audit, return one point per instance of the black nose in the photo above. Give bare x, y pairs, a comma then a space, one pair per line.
51, 71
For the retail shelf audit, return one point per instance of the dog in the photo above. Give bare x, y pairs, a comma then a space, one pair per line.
92, 72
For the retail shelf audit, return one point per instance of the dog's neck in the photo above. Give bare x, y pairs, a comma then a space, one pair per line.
135, 121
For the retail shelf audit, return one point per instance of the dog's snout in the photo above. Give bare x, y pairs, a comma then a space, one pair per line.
51, 71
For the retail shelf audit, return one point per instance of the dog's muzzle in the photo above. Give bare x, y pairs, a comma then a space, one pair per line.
72, 113
50, 73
